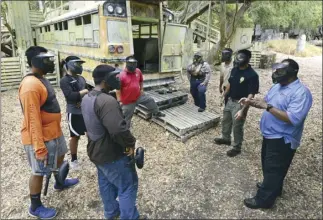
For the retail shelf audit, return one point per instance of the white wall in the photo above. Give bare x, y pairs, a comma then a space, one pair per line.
242, 37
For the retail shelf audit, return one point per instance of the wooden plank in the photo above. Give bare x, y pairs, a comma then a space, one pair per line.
10, 64
11, 67
11, 73
3, 81
10, 59
185, 137
10, 77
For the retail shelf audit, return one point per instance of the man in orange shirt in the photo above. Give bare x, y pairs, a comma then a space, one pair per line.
41, 132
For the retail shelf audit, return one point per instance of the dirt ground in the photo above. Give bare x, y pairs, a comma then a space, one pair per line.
191, 180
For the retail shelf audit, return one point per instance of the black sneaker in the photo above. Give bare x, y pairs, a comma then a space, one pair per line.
222, 141
233, 152
201, 110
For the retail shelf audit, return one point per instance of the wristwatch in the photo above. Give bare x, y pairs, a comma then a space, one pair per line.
269, 106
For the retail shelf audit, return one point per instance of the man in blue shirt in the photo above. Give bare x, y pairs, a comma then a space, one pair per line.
287, 104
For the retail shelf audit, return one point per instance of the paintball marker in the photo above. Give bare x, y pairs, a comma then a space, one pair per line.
60, 173
138, 158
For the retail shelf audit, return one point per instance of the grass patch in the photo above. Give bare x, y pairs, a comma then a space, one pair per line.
289, 47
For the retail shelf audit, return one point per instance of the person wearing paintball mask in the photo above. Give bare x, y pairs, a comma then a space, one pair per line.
41, 132
225, 71
73, 86
286, 107
110, 145
243, 83
132, 93
199, 74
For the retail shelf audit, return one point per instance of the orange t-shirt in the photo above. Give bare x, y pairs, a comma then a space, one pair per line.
38, 126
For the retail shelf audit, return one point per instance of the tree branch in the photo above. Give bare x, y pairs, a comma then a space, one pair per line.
246, 5
233, 23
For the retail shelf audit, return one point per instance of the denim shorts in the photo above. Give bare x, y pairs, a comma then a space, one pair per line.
55, 148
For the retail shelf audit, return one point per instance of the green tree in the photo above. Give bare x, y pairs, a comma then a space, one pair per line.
287, 14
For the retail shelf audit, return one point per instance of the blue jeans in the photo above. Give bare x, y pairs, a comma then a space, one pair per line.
118, 179
198, 93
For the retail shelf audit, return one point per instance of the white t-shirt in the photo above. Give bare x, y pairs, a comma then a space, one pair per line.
225, 72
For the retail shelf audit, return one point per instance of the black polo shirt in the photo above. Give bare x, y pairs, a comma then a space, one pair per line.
243, 83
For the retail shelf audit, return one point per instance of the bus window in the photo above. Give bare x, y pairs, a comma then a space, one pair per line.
60, 26
65, 25
118, 31
78, 21
87, 19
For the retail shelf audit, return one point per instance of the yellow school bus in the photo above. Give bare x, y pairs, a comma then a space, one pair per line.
109, 31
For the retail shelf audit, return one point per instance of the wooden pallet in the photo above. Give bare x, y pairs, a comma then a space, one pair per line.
163, 101
255, 59
185, 121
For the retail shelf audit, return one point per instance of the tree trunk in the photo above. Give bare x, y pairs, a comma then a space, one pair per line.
226, 31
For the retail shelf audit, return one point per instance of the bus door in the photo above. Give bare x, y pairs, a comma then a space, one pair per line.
172, 50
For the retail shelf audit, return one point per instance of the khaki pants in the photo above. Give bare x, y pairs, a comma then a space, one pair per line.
229, 123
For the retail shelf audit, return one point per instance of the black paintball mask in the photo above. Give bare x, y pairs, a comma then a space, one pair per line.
241, 59
112, 80
282, 72
226, 55
198, 58
131, 64
44, 62
75, 66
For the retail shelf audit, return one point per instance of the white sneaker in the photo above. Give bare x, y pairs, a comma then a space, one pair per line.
74, 165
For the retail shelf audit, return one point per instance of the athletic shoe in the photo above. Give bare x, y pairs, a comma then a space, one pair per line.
43, 213
68, 184
74, 165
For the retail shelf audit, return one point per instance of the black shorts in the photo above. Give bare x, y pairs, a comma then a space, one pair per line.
76, 125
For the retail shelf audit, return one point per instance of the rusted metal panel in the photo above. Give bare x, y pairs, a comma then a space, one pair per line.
144, 10
173, 47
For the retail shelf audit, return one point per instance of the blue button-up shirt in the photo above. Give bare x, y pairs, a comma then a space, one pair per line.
296, 100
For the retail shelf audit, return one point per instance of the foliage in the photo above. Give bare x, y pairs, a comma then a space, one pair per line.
287, 14
289, 47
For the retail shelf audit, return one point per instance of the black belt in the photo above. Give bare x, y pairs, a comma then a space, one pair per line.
234, 100
196, 78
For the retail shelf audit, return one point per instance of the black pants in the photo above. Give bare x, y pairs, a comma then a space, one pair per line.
276, 157
226, 98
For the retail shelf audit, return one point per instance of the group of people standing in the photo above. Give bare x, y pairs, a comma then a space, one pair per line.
96, 113
286, 106
106, 121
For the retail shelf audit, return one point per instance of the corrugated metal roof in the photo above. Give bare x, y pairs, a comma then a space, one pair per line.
73, 14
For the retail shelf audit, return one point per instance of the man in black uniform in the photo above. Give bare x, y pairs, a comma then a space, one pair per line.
73, 86
110, 143
243, 82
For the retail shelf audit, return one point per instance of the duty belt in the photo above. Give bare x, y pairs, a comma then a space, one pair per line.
234, 100
197, 78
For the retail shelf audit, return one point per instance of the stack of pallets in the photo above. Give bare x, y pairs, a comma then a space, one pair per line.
255, 59
164, 101
181, 119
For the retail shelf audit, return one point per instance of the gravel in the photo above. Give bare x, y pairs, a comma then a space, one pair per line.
191, 180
